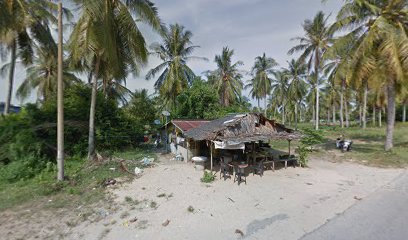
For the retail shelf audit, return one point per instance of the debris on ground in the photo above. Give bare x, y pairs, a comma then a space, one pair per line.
166, 223
239, 232
358, 198
190, 209
109, 181
138, 171
147, 161
124, 168
133, 220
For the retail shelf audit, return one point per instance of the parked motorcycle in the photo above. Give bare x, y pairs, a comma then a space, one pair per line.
344, 145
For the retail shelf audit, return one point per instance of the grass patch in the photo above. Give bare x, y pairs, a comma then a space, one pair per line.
208, 177
131, 201
84, 184
136, 154
367, 148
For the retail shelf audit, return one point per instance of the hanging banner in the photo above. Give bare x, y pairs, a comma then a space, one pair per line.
229, 145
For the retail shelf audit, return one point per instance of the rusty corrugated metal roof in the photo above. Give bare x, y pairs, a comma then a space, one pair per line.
185, 125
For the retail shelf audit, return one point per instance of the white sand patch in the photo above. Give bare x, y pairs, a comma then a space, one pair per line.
284, 204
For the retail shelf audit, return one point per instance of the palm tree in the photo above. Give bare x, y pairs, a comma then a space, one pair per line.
337, 71
174, 52
280, 86
380, 30
313, 45
227, 78
330, 92
261, 83
108, 41
115, 89
296, 73
42, 74
254, 90
22, 23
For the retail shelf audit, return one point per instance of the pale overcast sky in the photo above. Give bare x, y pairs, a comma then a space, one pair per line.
250, 27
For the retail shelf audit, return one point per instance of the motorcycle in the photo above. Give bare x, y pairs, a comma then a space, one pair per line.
344, 145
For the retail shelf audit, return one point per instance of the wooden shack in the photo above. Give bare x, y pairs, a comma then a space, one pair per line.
237, 132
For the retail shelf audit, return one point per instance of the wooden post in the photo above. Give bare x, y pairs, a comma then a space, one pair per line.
289, 146
211, 156
253, 152
60, 100
187, 147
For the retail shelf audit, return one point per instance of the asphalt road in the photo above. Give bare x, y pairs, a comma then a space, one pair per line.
383, 215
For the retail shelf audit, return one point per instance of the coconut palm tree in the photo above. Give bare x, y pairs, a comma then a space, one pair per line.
296, 74
22, 23
108, 41
253, 86
174, 52
227, 77
42, 74
312, 47
280, 86
380, 30
337, 71
261, 82
115, 89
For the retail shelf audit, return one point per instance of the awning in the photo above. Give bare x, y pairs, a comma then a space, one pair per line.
232, 145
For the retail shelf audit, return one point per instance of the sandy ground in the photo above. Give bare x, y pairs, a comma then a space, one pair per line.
284, 204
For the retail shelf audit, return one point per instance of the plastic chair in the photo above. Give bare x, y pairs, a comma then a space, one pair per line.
225, 170
239, 174
258, 168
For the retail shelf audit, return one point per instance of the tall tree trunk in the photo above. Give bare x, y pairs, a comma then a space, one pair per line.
266, 93
346, 112
404, 112
259, 105
11, 77
341, 104
360, 113
226, 99
390, 115
283, 114
313, 114
380, 118
91, 137
374, 110
296, 116
60, 100
316, 66
317, 108
334, 114
365, 104
265, 104
328, 116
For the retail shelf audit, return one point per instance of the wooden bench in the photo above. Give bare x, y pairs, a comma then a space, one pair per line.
293, 160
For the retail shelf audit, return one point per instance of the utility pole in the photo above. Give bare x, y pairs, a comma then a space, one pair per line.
60, 96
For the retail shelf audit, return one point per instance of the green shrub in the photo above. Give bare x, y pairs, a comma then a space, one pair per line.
22, 169
303, 155
311, 137
208, 177
28, 139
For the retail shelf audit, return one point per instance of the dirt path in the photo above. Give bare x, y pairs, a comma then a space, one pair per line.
170, 202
